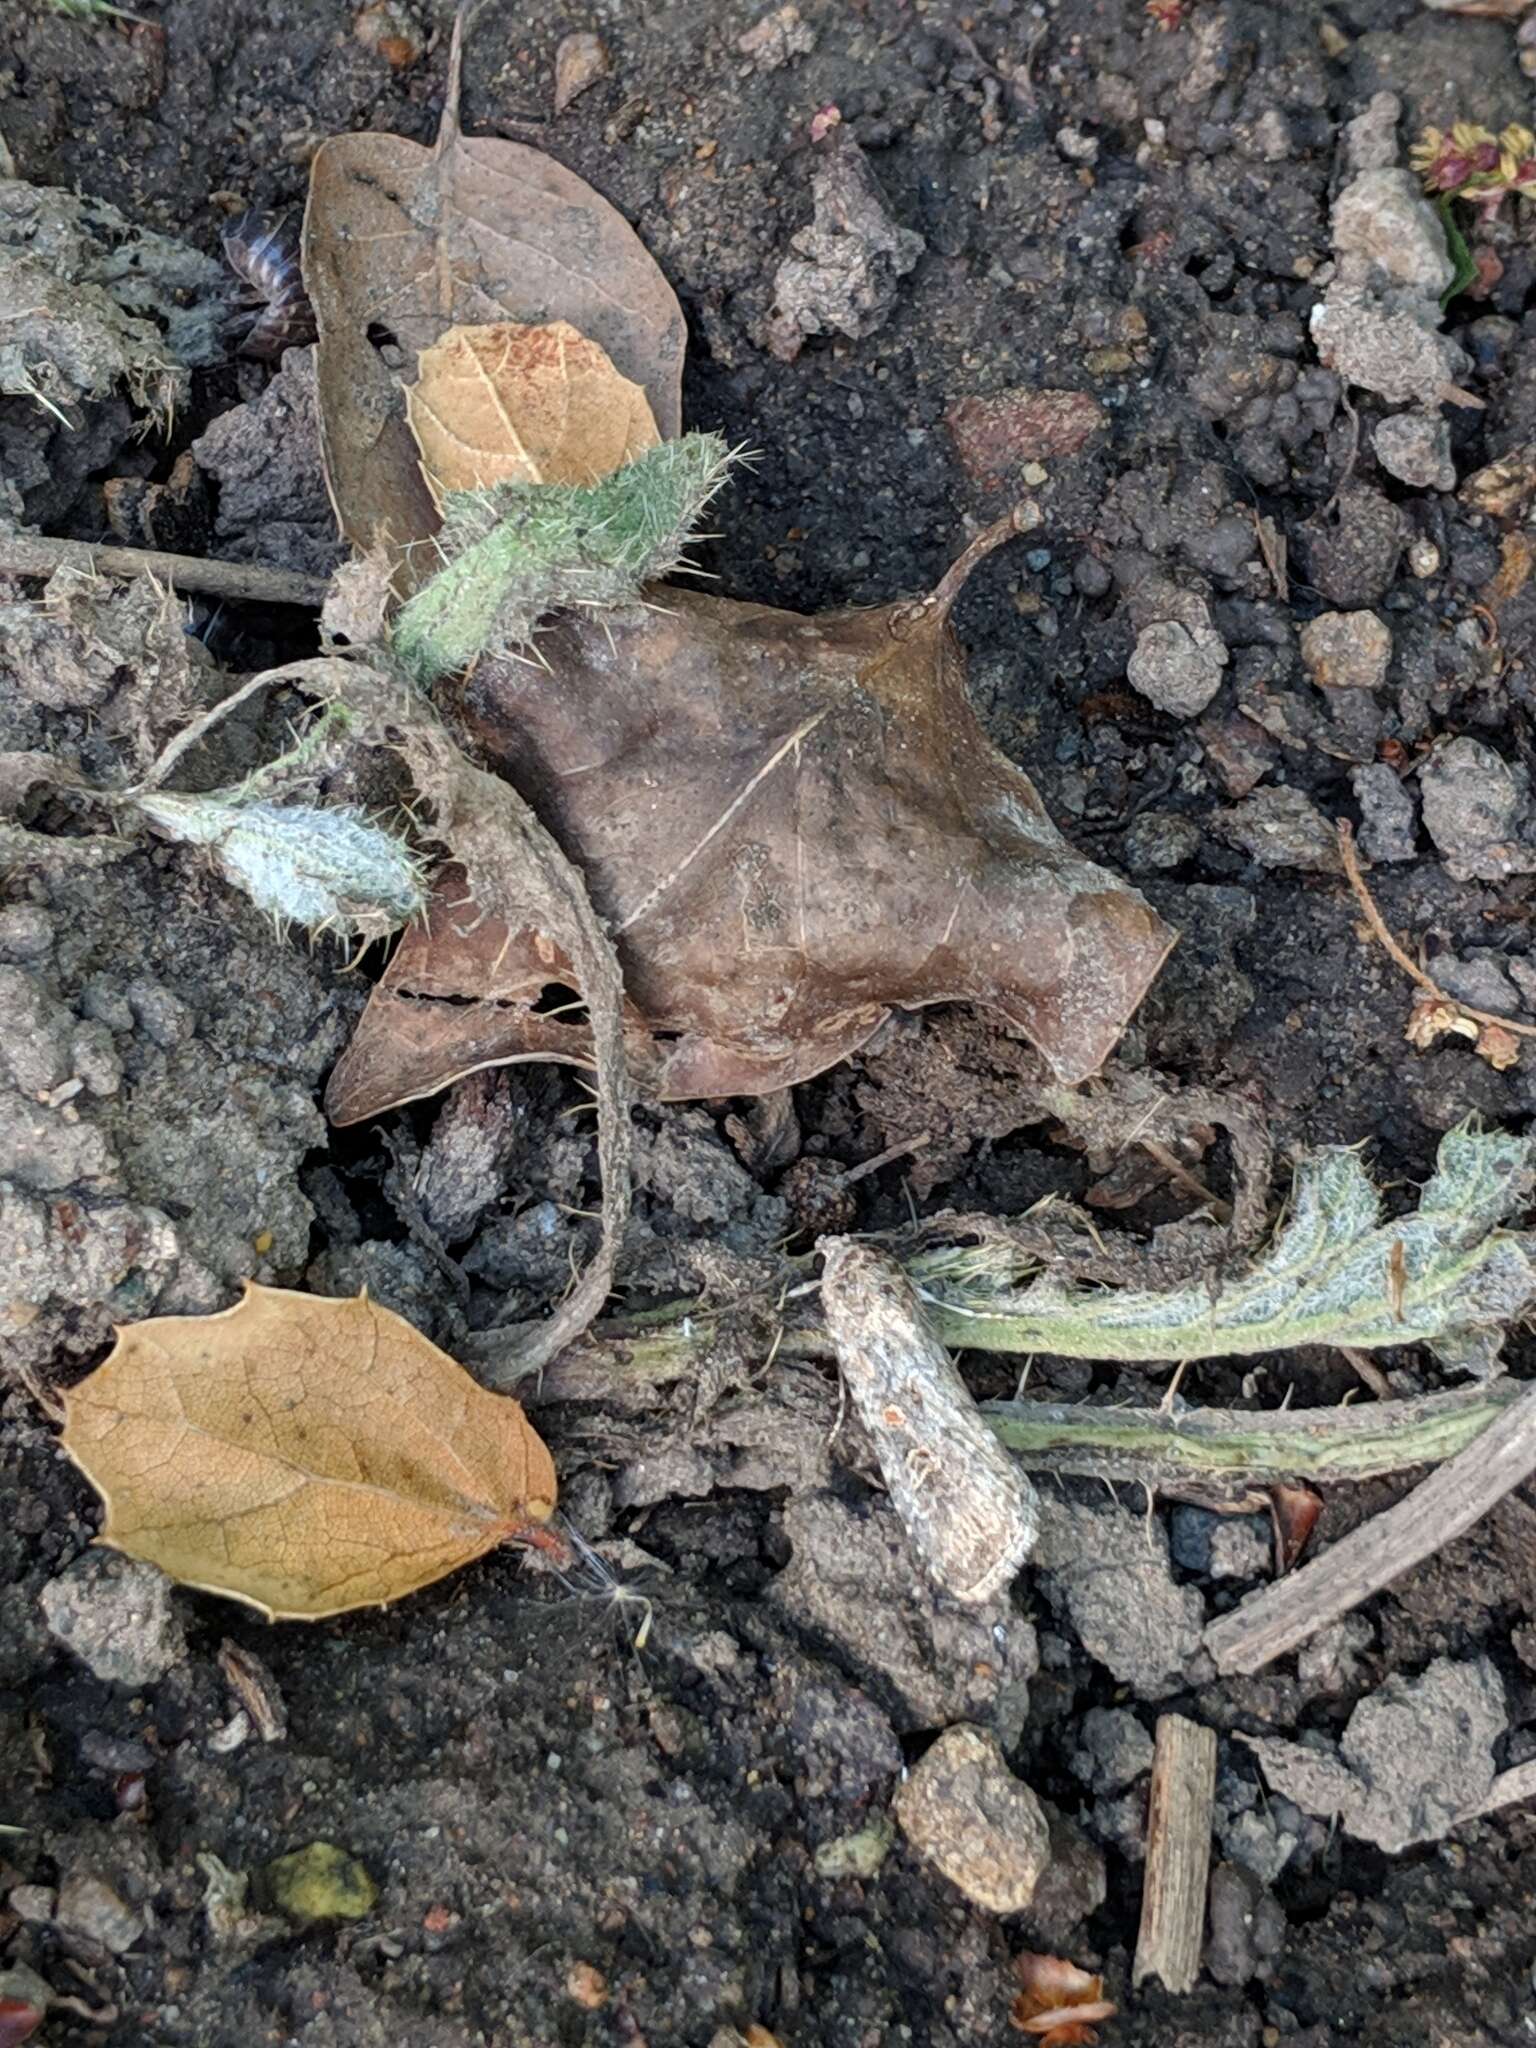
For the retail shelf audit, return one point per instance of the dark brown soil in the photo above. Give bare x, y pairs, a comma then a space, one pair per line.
530, 1790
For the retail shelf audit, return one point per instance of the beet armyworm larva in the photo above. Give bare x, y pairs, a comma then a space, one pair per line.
968, 1509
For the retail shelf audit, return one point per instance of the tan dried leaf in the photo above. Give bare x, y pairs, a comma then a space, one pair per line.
529, 405
837, 837
402, 243
301, 1454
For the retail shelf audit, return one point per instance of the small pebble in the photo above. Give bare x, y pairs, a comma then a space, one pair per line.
1347, 650
1176, 669
88, 1906
1388, 825
965, 1812
115, 1613
1415, 447
580, 61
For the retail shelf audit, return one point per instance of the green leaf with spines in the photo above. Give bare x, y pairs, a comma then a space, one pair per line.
1334, 1273
517, 552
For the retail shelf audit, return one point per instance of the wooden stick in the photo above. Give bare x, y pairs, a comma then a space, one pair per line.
1172, 1933
1448, 1503
28, 554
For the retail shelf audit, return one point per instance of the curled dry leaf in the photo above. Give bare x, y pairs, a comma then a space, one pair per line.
515, 404
790, 826
408, 242
303, 1455
1059, 2003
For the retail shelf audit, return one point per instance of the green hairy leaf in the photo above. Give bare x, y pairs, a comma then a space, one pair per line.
1334, 1273
516, 552
328, 870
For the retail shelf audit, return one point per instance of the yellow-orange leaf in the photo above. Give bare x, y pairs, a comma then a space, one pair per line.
302, 1454
514, 404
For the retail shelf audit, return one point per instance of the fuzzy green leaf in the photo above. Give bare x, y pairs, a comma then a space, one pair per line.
328, 870
1333, 1274
516, 552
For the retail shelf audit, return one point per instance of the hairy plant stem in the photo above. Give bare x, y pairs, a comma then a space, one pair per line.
1154, 1446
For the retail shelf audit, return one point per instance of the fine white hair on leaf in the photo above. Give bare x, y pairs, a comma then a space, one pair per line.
325, 869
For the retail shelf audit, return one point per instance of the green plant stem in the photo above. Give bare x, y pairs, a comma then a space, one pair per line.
621, 1363
1367, 1440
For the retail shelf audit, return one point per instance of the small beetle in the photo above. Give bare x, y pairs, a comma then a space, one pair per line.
275, 313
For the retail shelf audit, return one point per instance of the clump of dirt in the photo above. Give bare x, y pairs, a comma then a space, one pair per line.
662, 1811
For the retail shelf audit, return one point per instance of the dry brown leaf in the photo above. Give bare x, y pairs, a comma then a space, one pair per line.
402, 243
1058, 2002
790, 826
514, 404
303, 1455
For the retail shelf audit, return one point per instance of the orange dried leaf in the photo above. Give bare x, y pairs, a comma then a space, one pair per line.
515, 404
1059, 2003
303, 1455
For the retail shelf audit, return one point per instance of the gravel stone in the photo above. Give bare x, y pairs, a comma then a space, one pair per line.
1415, 1756
1114, 1749
1240, 1548
1281, 828
115, 1613
1111, 1574
1473, 803
1415, 447
1353, 560
1388, 820
88, 1906
1347, 650
995, 437
1177, 669
1160, 839
843, 275
965, 1812
1247, 1928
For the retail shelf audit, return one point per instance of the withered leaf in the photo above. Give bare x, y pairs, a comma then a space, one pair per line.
513, 404
403, 242
790, 826
303, 1455
1059, 2002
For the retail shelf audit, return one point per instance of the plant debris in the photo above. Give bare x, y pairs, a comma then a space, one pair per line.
509, 403
1061, 2005
1335, 1273
771, 914
419, 241
303, 1455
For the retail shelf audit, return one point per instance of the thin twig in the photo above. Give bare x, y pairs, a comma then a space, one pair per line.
1448, 1503
1395, 951
27, 554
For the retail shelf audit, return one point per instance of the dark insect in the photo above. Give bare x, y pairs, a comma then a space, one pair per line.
275, 313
